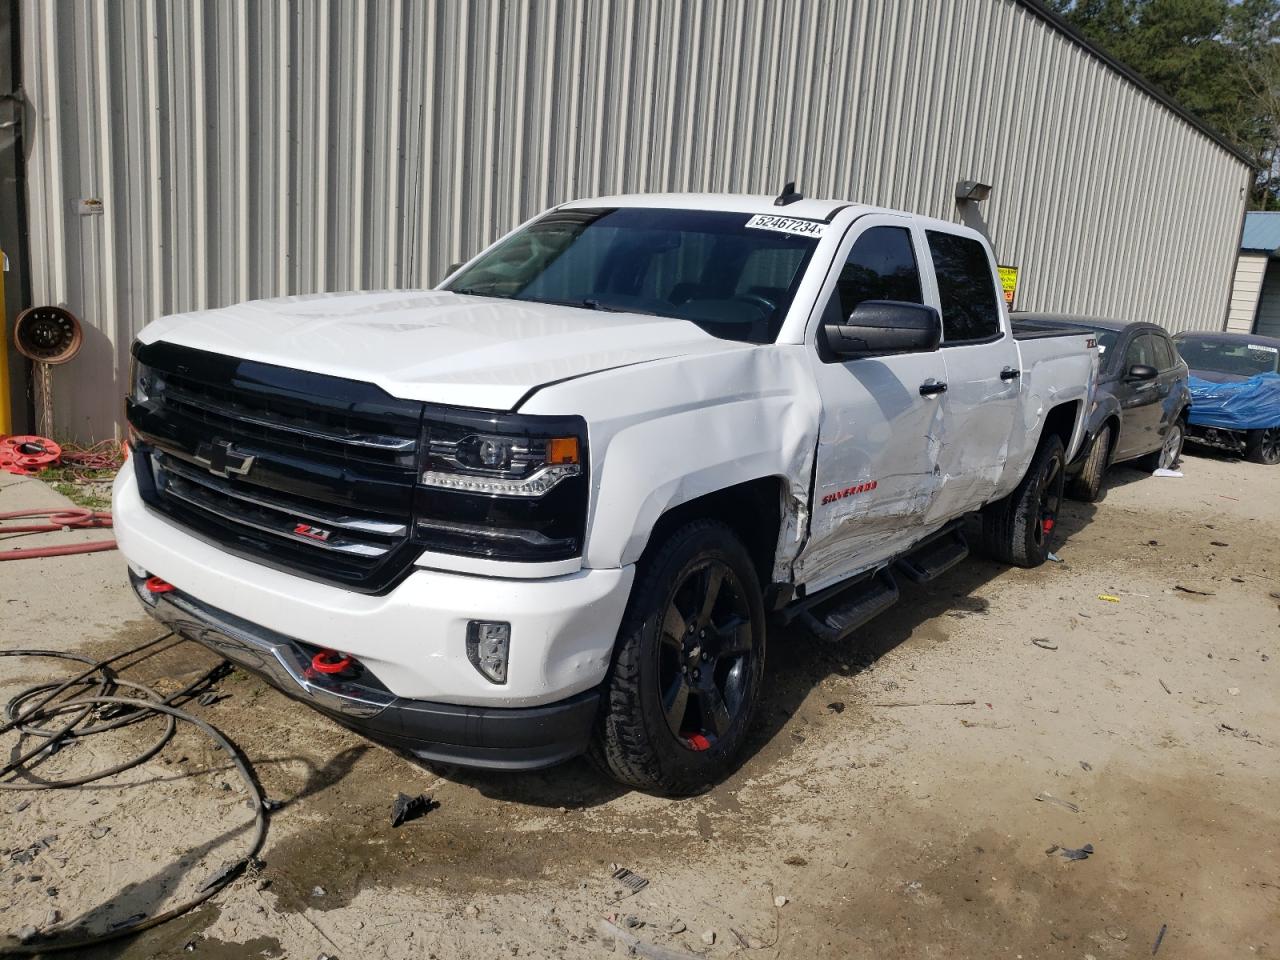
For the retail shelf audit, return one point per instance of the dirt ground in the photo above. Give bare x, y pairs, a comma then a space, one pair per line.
883, 830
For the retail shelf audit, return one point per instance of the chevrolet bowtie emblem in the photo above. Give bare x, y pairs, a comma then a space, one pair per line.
221, 460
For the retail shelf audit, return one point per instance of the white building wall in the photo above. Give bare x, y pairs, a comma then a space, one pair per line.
1245, 287
246, 149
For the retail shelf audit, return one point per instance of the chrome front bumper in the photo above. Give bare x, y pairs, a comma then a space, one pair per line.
273, 656
505, 738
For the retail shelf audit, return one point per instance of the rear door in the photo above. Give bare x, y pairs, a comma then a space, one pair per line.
879, 437
1139, 400
982, 374
1171, 380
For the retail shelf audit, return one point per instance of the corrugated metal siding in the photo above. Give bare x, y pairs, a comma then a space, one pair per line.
1250, 269
246, 149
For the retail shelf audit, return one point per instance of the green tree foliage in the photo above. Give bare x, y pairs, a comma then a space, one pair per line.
1220, 59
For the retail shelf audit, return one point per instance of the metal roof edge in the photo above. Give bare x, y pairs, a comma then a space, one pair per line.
1037, 8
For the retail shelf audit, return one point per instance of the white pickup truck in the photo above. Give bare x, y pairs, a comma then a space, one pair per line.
549, 507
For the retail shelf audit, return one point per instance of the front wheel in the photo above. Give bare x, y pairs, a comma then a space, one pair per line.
1087, 485
1263, 446
686, 671
1020, 528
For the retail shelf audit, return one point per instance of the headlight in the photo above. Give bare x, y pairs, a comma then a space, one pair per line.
142, 380
502, 486
510, 466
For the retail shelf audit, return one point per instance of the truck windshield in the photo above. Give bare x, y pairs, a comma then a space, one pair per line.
1233, 357
732, 274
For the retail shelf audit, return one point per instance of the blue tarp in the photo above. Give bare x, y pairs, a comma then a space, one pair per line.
1251, 404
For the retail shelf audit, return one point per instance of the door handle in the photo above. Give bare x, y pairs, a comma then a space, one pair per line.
931, 387
1009, 373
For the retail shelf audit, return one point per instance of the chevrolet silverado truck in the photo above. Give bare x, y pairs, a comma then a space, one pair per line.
549, 507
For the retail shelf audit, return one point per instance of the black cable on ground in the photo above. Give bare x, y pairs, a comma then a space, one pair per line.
36, 705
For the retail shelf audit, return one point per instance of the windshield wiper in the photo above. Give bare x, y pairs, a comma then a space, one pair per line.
593, 304
471, 292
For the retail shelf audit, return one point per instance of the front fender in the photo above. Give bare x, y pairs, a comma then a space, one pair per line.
1105, 407
667, 432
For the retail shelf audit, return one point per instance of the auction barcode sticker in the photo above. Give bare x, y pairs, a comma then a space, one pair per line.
1263, 348
792, 225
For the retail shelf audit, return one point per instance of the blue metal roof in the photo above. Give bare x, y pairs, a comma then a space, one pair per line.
1261, 232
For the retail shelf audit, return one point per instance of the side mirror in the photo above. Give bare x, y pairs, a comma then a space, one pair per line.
1142, 372
453, 268
882, 327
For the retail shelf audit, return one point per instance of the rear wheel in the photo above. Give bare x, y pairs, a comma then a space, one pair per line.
1088, 484
1263, 446
1020, 528
686, 672
1170, 452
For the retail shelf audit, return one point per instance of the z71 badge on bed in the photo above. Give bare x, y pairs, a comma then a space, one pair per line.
792, 225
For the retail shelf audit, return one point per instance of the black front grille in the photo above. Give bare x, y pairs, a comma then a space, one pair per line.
305, 472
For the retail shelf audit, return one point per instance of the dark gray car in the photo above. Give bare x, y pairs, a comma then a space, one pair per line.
1140, 401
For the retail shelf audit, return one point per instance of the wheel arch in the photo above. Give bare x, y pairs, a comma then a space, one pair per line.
1062, 420
1112, 421
752, 510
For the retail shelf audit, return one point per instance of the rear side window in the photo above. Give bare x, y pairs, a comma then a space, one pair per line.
1164, 351
966, 289
881, 266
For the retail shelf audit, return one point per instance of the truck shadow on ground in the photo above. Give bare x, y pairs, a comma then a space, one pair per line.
796, 664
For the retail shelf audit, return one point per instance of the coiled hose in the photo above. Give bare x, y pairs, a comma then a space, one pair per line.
75, 518
36, 712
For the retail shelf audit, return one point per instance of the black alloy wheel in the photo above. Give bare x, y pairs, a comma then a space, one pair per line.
688, 665
704, 659
1050, 501
1021, 527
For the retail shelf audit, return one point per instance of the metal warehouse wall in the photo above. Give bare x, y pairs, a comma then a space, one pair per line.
246, 149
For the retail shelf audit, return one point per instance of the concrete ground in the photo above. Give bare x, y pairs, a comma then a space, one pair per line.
869, 820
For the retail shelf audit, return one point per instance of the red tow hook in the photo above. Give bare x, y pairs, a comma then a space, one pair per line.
330, 661
156, 585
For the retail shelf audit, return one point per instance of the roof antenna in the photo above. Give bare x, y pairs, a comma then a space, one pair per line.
788, 195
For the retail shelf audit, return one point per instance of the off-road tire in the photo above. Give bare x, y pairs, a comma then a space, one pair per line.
633, 742
1089, 484
1009, 526
1262, 446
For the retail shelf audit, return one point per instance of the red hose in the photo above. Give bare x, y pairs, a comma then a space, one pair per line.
76, 518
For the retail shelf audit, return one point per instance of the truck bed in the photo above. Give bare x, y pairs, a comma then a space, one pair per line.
1035, 330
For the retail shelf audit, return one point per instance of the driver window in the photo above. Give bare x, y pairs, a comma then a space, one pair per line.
881, 266
1140, 351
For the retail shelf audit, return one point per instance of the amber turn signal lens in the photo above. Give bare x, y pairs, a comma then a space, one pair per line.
562, 450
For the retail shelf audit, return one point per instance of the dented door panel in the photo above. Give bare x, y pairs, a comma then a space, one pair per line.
877, 448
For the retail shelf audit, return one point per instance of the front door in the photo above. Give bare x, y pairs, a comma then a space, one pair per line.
880, 434
1140, 404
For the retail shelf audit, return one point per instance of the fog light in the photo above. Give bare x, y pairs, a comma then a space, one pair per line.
488, 645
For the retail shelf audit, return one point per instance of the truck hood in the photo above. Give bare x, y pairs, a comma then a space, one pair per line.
435, 346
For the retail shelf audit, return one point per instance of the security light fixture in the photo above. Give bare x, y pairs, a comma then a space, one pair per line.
972, 190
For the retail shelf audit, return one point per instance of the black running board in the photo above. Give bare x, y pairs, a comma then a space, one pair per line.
836, 612
854, 606
935, 557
